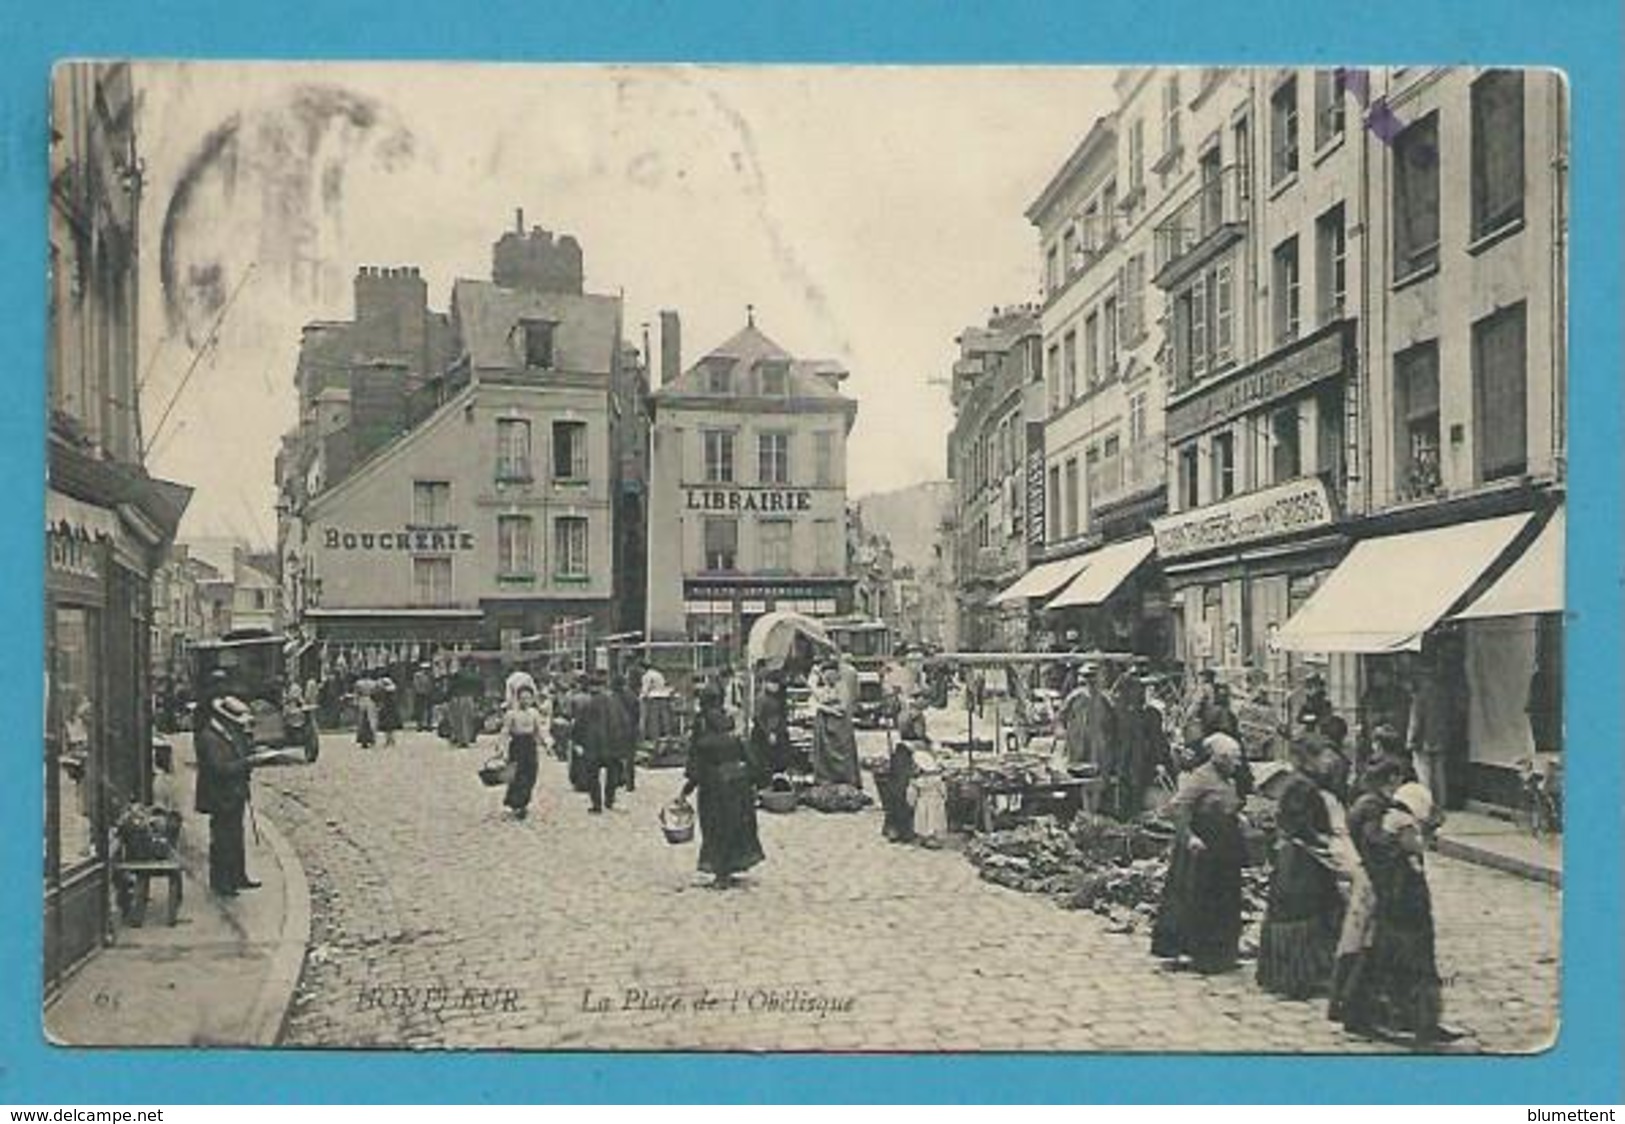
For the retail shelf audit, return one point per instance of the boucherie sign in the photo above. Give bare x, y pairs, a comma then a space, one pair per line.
1298, 505
782, 501
442, 540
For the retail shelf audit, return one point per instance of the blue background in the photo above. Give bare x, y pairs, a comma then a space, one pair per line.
1583, 38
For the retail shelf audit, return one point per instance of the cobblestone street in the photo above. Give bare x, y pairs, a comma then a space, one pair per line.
438, 922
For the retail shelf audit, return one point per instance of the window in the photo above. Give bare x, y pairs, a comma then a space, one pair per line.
719, 456
570, 546
1497, 150
1284, 131
1286, 291
1054, 497
1070, 254
1170, 115
261, 600
719, 376
513, 449
1053, 379
1091, 350
1136, 157
1416, 410
827, 546
775, 540
1071, 496
1242, 135
824, 459
1416, 197
431, 503
514, 546
1133, 330
1224, 315
1052, 268
1210, 176
75, 781
1195, 317
538, 343
775, 378
1136, 419
1069, 345
1328, 107
569, 450
773, 457
1286, 448
1190, 493
1110, 448
1500, 390
1108, 320
1224, 465
431, 581
721, 544
1331, 268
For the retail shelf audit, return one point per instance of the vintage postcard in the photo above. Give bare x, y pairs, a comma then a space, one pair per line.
805, 559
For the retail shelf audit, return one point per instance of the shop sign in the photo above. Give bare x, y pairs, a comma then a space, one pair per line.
1268, 381
1298, 505
754, 591
1035, 485
410, 539
778, 501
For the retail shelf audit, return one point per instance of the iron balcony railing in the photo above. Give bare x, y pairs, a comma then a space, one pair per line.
1205, 223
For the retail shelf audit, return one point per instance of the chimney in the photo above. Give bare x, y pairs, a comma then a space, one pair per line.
519, 220
671, 347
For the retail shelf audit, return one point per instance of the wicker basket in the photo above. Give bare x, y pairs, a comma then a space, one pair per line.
779, 800
677, 823
496, 773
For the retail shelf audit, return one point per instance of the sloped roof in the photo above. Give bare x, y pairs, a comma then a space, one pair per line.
750, 346
584, 342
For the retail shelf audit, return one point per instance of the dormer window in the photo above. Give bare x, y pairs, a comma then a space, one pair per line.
719, 377
775, 378
538, 336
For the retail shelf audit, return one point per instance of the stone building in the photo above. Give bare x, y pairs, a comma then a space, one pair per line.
108, 522
748, 489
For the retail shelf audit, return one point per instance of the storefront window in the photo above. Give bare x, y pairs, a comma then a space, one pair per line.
76, 733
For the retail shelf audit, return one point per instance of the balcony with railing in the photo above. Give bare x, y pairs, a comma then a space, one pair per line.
1137, 470
1209, 221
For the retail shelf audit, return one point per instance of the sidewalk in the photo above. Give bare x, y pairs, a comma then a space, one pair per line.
1478, 838
222, 976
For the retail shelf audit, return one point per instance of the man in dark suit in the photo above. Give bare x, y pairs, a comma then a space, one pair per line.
596, 720
223, 769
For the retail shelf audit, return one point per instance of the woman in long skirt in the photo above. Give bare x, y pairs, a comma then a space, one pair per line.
523, 728
366, 722
1200, 914
719, 766
1302, 918
1353, 1000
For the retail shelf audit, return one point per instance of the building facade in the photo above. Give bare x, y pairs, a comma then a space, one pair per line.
108, 522
748, 490
996, 381
485, 520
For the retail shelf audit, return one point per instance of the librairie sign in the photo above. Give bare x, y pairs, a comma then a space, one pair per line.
777, 501
411, 539
1297, 505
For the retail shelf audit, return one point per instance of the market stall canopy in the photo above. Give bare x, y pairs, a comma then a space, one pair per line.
773, 636
1387, 592
1043, 579
1105, 570
1533, 584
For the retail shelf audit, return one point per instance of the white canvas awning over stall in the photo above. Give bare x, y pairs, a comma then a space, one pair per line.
1389, 591
1533, 584
1107, 568
1043, 580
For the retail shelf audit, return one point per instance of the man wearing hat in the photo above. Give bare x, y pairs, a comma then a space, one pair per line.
223, 769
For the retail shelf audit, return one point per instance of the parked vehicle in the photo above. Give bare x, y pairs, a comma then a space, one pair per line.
254, 665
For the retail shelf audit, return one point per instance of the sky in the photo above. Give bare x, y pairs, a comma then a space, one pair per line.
868, 215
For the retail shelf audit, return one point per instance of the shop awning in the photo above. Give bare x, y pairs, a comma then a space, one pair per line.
1387, 592
1108, 568
1534, 583
1043, 579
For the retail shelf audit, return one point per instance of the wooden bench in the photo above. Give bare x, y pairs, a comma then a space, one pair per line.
142, 872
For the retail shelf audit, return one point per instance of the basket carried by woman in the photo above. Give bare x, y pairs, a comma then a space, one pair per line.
677, 822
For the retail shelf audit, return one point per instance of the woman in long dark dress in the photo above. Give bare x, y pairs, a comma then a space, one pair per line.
1200, 913
1353, 1001
719, 766
1304, 912
523, 727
